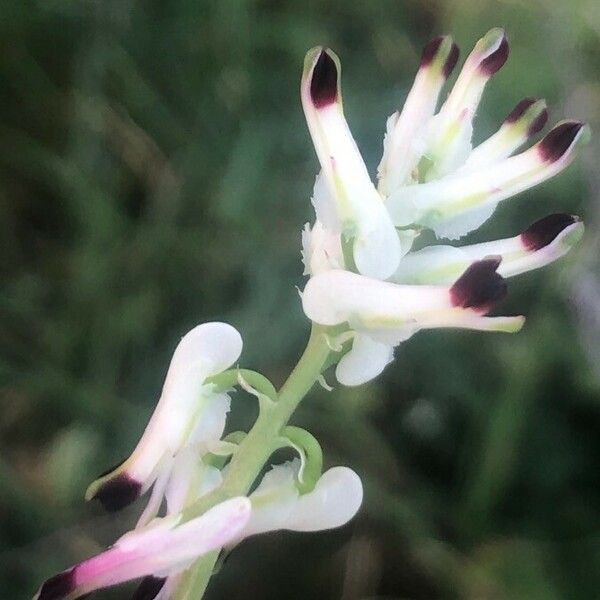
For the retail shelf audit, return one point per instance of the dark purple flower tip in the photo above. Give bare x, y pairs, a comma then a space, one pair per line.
149, 588
519, 111
58, 587
431, 50
545, 231
493, 63
118, 492
324, 81
480, 286
558, 141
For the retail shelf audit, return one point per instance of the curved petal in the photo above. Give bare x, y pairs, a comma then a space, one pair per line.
206, 350
334, 501
366, 359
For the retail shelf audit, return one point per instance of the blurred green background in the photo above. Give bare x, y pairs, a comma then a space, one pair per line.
155, 172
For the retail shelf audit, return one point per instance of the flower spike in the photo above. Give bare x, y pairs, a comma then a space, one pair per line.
164, 547
357, 210
405, 138
188, 412
455, 205
540, 244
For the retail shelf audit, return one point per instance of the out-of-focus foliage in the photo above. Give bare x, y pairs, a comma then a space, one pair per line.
155, 172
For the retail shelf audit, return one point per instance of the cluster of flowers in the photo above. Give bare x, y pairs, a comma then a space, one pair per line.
363, 278
430, 177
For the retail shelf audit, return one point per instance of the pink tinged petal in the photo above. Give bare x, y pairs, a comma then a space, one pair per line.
404, 142
364, 361
334, 501
451, 129
159, 549
458, 204
206, 350
525, 120
360, 212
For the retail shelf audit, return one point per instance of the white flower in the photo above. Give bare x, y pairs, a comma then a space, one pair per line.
352, 208
188, 413
277, 503
540, 244
429, 173
384, 314
161, 549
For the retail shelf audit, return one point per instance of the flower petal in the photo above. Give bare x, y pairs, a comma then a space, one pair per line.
206, 350
451, 129
389, 313
458, 204
404, 142
159, 549
334, 501
542, 243
360, 211
524, 121
366, 360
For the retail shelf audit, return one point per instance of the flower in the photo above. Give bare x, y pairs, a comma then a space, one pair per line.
384, 314
277, 503
163, 547
189, 413
346, 200
541, 243
431, 176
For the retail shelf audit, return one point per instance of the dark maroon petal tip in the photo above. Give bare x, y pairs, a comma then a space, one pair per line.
480, 286
431, 50
324, 82
538, 123
451, 60
59, 586
149, 588
119, 492
559, 140
519, 110
545, 231
493, 63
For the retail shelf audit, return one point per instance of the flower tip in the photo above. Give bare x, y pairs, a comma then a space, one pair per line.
561, 139
531, 111
149, 588
324, 79
480, 286
441, 48
57, 587
115, 492
543, 232
496, 44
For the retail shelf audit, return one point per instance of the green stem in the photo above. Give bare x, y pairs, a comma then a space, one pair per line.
254, 451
